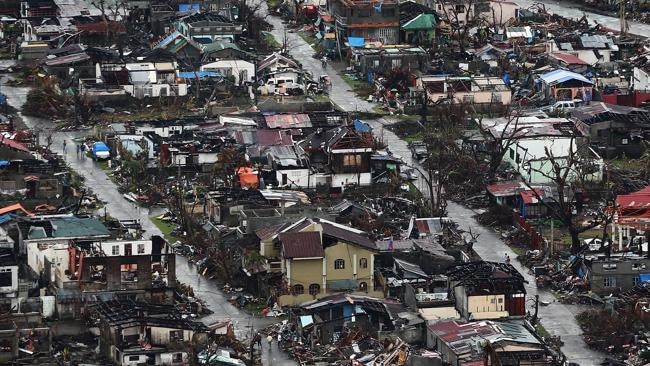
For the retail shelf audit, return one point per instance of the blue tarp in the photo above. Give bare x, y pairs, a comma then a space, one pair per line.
6, 218
356, 42
644, 277
4, 163
199, 74
360, 126
184, 8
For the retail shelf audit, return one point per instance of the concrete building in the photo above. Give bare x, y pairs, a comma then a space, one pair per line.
618, 273
469, 90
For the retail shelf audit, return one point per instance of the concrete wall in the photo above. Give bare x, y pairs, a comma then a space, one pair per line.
608, 276
341, 179
160, 335
351, 254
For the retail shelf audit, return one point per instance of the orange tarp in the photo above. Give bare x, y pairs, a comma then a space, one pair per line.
248, 177
14, 207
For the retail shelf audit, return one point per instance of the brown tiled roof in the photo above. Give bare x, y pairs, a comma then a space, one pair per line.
305, 244
347, 235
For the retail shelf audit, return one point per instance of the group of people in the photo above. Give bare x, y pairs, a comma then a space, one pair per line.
257, 340
81, 149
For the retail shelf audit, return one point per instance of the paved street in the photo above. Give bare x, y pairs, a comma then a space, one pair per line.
120, 208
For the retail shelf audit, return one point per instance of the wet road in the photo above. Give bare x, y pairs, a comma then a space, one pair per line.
118, 207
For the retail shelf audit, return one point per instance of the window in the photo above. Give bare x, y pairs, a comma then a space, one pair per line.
116, 250
500, 301
314, 289
468, 98
363, 286
512, 154
128, 249
395, 63
177, 358
609, 266
5, 278
140, 248
609, 282
298, 289
175, 335
496, 98
363, 263
460, 9
351, 160
134, 358
493, 301
339, 264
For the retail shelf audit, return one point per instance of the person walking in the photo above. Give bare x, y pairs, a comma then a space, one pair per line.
507, 259
65, 147
269, 338
78, 150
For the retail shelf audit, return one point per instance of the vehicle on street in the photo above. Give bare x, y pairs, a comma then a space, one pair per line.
101, 151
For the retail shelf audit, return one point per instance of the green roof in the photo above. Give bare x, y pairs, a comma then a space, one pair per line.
422, 21
75, 227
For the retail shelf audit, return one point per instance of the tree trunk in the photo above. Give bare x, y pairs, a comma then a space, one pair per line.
575, 240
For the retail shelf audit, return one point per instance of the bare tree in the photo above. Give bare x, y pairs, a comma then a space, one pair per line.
568, 173
230, 159
462, 16
500, 135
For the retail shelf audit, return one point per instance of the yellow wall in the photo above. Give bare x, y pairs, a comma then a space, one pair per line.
486, 306
346, 252
305, 272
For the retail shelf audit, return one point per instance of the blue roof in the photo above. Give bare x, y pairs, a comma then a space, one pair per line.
356, 41
199, 74
561, 75
644, 277
184, 8
4, 163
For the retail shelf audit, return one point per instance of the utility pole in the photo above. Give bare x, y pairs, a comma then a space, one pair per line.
621, 13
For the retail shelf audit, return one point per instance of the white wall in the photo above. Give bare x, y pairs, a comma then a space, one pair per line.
640, 80
56, 252
299, 177
107, 247
11, 290
167, 359
339, 180
137, 360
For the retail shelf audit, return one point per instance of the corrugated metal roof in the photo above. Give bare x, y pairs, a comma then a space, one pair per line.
298, 120
302, 245
78, 227
595, 41
567, 58
561, 75
348, 235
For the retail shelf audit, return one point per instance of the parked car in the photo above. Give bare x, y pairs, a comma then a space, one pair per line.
418, 150
563, 106
101, 151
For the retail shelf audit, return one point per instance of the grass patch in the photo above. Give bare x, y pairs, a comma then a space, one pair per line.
270, 41
412, 138
273, 4
541, 331
166, 228
254, 308
359, 86
628, 164
311, 40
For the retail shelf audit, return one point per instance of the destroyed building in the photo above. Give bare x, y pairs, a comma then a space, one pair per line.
135, 332
487, 290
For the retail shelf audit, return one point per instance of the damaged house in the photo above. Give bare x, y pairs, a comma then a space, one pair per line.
487, 290
141, 333
462, 89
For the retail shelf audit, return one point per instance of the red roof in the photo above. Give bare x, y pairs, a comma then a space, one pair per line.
102, 27
14, 207
374, 25
13, 144
530, 197
273, 137
568, 59
639, 199
505, 189
305, 244
297, 120
452, 331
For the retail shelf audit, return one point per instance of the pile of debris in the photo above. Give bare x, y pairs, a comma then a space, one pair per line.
352, 343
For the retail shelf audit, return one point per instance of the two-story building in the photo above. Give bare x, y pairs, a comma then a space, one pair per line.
377, 21
140, 79
318, 258
619, 272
